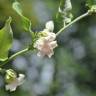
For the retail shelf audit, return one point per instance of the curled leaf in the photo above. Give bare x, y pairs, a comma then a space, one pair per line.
26, 23
64, 12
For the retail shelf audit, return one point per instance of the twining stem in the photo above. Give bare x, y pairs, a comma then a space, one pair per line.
14, 55
61, 30
75, 20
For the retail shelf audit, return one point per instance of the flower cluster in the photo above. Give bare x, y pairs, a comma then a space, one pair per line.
46, 42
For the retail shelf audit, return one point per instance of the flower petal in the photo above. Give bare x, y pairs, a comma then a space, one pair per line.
21, 79
53, 44
51, 36
50, 54
40, 54
12, 86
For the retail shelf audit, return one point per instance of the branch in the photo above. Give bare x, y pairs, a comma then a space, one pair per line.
75, 20
14, 56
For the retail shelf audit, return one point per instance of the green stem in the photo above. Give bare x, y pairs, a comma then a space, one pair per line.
14, 56
75, 20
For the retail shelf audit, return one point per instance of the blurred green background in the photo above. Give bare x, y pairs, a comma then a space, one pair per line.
72, 70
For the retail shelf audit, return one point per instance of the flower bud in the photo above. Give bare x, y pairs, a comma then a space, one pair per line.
50, 26
10, 75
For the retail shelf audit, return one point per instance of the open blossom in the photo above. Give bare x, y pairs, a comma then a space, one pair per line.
46, 43
45, 46
16, 82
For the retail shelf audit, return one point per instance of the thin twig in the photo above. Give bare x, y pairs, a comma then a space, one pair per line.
75, 20
14, 56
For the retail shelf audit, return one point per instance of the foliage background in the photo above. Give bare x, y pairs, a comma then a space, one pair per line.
74, 59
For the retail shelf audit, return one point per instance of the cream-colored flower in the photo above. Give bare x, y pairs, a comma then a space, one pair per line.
46, 42
45, 45
15, 83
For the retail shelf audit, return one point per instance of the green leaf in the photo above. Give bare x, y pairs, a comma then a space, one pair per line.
26, 23
91, 3
6, 38
64, 15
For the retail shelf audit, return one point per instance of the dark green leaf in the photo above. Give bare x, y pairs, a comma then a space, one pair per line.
62, 3
6, 38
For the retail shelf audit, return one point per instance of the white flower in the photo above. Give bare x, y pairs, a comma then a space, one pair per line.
16, 82
45, 45
46, 42
50, 26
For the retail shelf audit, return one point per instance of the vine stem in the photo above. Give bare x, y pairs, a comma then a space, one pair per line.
75, 20
61, 30
14, 56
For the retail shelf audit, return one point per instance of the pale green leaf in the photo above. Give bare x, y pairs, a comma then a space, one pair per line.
17, 7
6, 38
